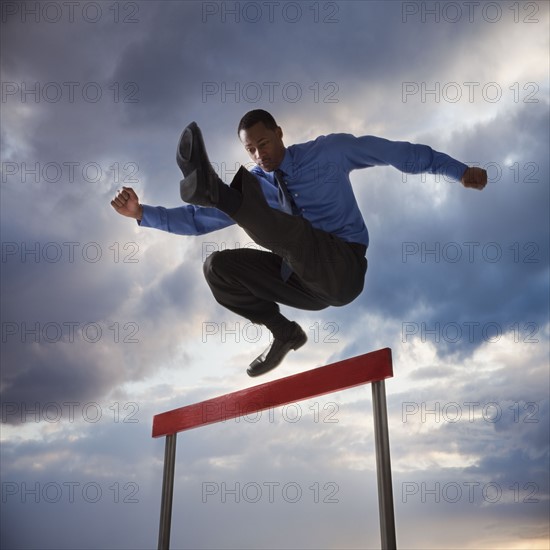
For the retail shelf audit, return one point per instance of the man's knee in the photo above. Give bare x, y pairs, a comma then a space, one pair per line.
208, 266
218, 263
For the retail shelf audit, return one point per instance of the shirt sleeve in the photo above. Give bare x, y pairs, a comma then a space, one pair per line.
199, 220
365, 151
184, 220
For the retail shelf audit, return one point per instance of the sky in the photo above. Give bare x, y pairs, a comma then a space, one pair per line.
105, 324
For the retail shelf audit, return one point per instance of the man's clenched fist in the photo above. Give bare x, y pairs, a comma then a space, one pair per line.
127, 204
474, 177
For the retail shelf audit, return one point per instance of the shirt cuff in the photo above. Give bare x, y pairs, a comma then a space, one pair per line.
154, 217
455, 170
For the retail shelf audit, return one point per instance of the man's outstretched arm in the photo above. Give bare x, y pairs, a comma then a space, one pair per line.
182, 220
364, 151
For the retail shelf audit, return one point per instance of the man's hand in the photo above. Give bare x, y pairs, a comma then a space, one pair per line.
474, 177
127, 204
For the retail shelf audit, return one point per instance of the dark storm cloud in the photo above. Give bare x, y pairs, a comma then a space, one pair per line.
199, 66
51, 353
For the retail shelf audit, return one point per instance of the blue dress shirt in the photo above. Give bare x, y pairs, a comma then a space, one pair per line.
317, 177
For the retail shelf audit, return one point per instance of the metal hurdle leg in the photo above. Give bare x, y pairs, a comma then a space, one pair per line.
383, 466
167, 492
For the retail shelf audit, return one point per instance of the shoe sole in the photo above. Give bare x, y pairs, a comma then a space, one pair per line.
185, 145
190, 183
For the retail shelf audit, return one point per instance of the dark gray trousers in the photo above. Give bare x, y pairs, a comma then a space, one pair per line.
327, 271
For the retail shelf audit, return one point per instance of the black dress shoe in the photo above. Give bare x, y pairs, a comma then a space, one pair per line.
276, 352
200, 184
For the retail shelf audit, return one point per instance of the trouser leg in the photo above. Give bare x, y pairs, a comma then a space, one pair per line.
329, 267
248, 282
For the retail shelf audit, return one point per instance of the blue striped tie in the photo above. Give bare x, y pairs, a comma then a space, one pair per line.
285, 199
288, 206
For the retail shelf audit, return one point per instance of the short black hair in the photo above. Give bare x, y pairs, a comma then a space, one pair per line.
255, 116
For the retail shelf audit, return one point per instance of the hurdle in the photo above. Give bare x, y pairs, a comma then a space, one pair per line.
373, 368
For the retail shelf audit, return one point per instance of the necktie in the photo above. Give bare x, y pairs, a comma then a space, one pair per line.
288, 206
285, 199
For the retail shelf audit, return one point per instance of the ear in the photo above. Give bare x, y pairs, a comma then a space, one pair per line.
279, 132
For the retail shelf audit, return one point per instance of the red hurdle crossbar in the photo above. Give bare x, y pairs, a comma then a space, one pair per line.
373, 367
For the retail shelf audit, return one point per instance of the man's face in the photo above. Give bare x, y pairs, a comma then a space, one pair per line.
265, 147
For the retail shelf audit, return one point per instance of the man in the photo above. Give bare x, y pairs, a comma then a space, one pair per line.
298, 203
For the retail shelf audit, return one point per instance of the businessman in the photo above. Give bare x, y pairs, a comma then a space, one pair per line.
298, 204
